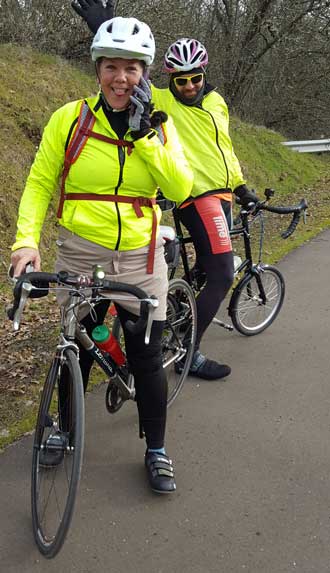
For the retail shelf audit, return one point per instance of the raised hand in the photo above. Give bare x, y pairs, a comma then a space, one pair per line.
139, 119
93, 12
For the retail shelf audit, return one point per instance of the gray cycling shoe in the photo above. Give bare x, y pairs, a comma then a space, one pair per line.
53, 450
160, 472
202, 367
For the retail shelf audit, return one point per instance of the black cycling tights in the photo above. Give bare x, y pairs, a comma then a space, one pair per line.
145, 362
218, 268
219, 277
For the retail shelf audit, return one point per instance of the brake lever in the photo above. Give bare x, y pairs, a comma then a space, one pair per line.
25, 292
153, 304
249, 208
10, 273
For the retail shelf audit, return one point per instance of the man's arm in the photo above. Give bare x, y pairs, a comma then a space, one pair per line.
93, 12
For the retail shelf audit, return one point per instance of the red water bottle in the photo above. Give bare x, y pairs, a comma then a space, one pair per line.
105, 340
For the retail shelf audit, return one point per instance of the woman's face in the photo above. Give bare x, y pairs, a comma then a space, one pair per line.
117, 79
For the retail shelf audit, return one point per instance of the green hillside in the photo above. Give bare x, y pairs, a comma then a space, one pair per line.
32, 86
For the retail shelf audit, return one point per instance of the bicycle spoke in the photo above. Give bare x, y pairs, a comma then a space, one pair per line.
178, 336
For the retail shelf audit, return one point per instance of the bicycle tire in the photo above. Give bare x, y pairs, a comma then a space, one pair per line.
179, 335
54, 489
178, 321
250, 315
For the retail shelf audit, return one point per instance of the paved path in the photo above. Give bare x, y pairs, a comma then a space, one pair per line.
252, 460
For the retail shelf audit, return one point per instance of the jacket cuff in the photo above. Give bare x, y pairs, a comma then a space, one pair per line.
28, 242
149, 140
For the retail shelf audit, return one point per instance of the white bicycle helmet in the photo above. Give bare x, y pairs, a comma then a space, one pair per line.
185, 55
126, 38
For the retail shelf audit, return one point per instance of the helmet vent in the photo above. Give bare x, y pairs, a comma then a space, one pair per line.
196, 57
136, 29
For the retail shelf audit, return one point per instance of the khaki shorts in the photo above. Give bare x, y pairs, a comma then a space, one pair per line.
78, 256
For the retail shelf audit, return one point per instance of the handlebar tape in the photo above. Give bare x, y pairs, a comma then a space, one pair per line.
286, 210
291, 228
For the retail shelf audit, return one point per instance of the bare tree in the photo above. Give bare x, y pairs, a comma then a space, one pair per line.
269, 58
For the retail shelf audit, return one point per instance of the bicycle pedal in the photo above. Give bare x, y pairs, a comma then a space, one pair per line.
224, 325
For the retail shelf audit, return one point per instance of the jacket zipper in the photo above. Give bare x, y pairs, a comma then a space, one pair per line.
217, 142
121, 157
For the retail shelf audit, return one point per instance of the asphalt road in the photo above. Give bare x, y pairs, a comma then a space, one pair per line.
252, 458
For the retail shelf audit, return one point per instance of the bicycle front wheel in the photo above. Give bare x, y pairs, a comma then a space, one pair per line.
179, 335
57, 453
257, 300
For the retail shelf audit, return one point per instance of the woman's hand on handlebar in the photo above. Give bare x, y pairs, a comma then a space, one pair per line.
23, 256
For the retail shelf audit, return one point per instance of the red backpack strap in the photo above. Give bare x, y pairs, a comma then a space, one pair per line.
118, 142
85, 123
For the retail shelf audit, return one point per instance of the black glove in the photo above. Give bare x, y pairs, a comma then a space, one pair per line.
139, 118
93, 12
246, 195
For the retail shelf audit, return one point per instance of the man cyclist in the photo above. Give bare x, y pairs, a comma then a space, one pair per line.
201, 117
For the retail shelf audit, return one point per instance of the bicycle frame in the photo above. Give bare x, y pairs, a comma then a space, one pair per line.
107, 363
257, 296
247, 265
72, 329
243, 229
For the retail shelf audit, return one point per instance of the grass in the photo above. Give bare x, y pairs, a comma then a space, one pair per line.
33, 85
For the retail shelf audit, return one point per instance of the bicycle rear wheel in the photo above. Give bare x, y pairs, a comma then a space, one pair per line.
257, 300
179, 335
54, 487
178, 338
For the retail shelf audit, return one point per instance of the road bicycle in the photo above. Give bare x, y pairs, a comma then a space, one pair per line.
258, 293
60, 422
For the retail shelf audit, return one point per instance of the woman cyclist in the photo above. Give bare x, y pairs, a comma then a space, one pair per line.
200, 115
107, 213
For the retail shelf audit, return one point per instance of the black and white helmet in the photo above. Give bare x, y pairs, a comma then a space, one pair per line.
126, 38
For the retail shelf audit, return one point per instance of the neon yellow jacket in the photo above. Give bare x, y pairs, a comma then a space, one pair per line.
99, 170
204, 134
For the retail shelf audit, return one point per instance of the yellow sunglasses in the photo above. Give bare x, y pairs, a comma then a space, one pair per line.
182, 81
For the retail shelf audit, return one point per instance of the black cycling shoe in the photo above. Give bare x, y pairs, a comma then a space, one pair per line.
160, 472
202, 367
53, 450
